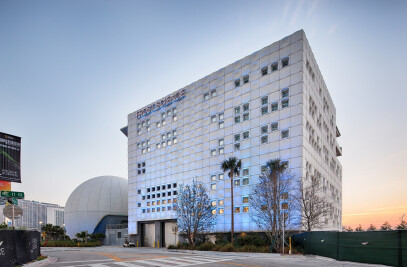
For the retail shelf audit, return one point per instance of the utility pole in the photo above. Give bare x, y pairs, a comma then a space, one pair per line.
12, 215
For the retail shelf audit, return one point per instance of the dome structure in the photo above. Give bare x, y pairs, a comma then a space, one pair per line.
93, 204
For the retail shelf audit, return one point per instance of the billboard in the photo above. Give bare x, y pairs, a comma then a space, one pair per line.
10, 155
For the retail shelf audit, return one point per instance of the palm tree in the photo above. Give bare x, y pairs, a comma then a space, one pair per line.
233, 165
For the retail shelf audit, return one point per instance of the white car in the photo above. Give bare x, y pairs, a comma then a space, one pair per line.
129, 244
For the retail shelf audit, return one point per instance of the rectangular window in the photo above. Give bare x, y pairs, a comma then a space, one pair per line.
237, 83
245, 181
213, 93
169, 113
285, 93
221, 202
245, 116
237, 209
143, 151
163, 137
213, 186
221, 142
221, 125
143, 123
284, 134
158, 124
139, 205
163, 208
246, 135
237, 119
144, 211
245, 107
245, 172
164, 144
158, 145
213, 118
221, 211
148, 203
245, 209
138, 133
237, 110
285, 62
221, 116
174, 140
138, 126
274, 106
148, 122
119, 234
163, 122
264, 71
245, 79
236, 182
213, 211
148, 128
174, 185
264, 100
163, 115
174, 110
274, 66
264, 139
213, 177
263, 168
169, 142
274, 126
221, 151
206, 96
174, 118
264, 129
245, 199
237, 147
264, 110
221, 176
213, 203
213, 152
237, 137
168, 186
284, 103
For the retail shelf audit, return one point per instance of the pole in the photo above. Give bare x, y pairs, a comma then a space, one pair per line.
233, 220
283, 229
12, 215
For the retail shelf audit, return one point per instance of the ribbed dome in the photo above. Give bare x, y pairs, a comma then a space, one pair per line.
94, 199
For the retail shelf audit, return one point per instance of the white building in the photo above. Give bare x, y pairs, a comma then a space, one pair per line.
36, 213
271, 104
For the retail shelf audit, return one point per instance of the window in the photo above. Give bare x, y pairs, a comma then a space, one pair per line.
169, 208
143, 123
148, 203
263, 168
237, 119
284, 164
148, 128
221, 142
138, 126
274, 126
237, 209
213, 186
264, 100
237, 147
274, 66
144, 210
236, 182
213, 211
245, 172
163, 144
153, 202
237, 137
158, 124
245, 79
175, 193
221, 116
143, 151
148, 190
264, 110
138, 133
119, 234
169, 112
221, 176
148, 142
169, 135
163, 187
213, 203
284, 103
246, 135
139, 205
158, 145
174, 185
169, 142
213, 93
158, 188
163, 122
274, 106
285, 93
221, 125
139, 191
246, 107
174, 140
245, 209
245, 181
163, 195
213, 177
169, 186
221, 151
264, 139
163, 137
284, 134
213, 118
139, 145
174, 133
285, 62
237, 110
174, 118
163, 115
213, 152
245, 116
206, 96
264, 129
221, 202
264, 70
221, 211
237, 83
148, 122
168, 193
245, 199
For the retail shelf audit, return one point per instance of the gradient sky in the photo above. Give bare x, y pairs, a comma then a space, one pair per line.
71, 71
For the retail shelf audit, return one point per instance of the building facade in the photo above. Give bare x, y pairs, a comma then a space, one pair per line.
37, 213
271, 104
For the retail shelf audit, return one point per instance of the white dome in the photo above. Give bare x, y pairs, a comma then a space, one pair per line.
93, 200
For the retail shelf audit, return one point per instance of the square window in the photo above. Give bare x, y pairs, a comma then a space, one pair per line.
206, 96
237, 209
221, 176
274, 106
163, 194
148, 203
144, 170
144, 211
163, 201
143, 151
237, 137
221, 211
213, 93
169, 200
237, 110
237, 147
153, 210
213, 203
139, 205
139, 145
168, 193
138, 172
213, 152
285, 93
245, 181
213, 118
143, 123
274, 126
163, 187
221, 116
221, 142
221, 125
264, 110
153, 203
138, 133
237, 83
246, 135
158, 209
169, 142
245, 116
169, 186
174, 185
221, 202
246, 107
221, 151
164, 144
236, 182
163, 208
237, 119
264, 71
264, 129
245, 172
138, 165
213, 177
169, 112
174, 133
174, 118
163, 137
213, 186
264, 139
245, 79
138, 126
175, 193
284, 103
284, 134
158, 124
245, 199
213, 212
274, 66
169, 207
245, 209
285, 62
264, 100
263, 168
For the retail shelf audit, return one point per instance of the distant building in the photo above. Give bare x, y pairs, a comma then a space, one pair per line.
55, 216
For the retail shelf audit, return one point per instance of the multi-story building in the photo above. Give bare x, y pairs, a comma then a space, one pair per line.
271, 104
37, 213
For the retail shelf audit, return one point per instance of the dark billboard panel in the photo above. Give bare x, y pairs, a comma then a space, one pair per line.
10, 155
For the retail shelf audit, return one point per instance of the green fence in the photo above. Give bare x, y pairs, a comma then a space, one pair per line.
377, 247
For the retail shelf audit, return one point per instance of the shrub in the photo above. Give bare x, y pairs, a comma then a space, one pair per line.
218, 247
172, 247
228, 248
250, 239
207, 246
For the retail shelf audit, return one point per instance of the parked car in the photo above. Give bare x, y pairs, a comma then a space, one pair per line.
128, 244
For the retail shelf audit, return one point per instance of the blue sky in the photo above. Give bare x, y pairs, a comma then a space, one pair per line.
71, 71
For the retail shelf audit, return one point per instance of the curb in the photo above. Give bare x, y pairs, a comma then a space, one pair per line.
45, 262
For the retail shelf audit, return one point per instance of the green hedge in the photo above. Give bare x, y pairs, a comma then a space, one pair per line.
70, 243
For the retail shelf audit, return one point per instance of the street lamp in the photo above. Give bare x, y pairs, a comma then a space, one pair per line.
40, 223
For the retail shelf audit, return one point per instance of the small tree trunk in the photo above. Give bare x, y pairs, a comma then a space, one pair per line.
233, 222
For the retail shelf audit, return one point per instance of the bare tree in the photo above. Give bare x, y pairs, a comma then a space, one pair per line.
273, 207
314, 205
386, 226
371, 228
403, 223
359, 228
348, 229
194, 211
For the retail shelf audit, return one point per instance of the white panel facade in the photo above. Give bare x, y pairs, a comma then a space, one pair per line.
263, 117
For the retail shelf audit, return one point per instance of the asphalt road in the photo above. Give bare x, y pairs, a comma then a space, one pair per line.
148, 257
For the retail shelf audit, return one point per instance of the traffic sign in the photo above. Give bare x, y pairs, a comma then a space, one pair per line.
8, 211
12, 194
14, 201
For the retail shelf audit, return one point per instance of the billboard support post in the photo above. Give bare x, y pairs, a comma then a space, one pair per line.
12, 219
